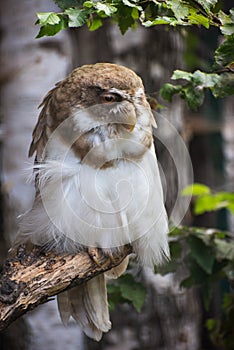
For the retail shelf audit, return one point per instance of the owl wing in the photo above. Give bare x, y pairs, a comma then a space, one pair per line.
44, 127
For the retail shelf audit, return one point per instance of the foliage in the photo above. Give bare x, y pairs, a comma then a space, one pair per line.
222, 331
129, 13
207, 255
207, 200
126, 289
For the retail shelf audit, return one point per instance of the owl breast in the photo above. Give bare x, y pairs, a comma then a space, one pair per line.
96, 207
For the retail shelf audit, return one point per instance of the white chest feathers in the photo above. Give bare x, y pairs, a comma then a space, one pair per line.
80, 205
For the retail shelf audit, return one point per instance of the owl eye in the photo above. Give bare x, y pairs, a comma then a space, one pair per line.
110, 97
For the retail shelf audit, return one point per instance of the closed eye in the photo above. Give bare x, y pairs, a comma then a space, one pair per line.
110, 97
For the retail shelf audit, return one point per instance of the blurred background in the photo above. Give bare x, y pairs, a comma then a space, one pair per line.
171, 318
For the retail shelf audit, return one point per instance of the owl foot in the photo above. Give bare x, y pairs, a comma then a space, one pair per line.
98, 255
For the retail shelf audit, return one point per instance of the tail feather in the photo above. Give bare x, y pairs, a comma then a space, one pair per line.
88, 305
64, 307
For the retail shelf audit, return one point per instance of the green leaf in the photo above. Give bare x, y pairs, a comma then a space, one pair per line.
132, 291
225, 52
114, 295
207, 203
210, 324
106, 8
227, 21
202, 254
132, 4
88, 4
225, 85
167, 20
126, 289
207, 4
180, 74
196, 18
124, 18
197, 274
195, 189
48, 18
204, 80
179, 8
175, 249
76, 17
64, 4
211, 202
167, 91
50, 30
193, 95
135, 13
224, 249
94, 24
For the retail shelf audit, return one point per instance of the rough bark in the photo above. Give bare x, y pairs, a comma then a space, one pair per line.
32, 277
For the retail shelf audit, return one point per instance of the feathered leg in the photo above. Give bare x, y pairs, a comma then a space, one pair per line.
88, 305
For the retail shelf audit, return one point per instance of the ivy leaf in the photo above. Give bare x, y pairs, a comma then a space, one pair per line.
195, 189
167, 91
76, 17
225, 52
202, 254
48, 18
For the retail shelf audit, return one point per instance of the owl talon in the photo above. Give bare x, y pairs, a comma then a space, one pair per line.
96, 254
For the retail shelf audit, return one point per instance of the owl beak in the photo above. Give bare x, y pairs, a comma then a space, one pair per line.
129, 127
130, 123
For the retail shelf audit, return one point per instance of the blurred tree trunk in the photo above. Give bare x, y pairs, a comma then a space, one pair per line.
171, 317
228, 136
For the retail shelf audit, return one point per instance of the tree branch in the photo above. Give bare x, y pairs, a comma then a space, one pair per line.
32, 277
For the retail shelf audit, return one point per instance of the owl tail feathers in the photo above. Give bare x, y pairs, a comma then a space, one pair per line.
88, 305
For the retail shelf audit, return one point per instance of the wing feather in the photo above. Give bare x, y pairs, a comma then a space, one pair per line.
44, 127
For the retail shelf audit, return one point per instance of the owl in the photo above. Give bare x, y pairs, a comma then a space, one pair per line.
97, 181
